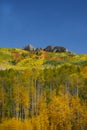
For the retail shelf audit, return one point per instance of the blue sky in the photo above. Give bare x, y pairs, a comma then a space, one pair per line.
44, 22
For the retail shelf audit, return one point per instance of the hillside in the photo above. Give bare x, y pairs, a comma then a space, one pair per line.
21, 59
42, 90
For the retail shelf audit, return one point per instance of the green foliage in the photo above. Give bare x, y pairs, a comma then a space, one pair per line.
53, 62
82, 63
20, 59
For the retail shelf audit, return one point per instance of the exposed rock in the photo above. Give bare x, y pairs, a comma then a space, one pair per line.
55, 49
59, 49
38, 49
49, 48
71, 53
29, 48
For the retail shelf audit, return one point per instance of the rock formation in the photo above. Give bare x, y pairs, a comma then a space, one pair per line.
29, 48
47, 49
55, 49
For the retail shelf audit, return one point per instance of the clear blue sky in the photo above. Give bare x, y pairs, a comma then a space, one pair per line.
44, 22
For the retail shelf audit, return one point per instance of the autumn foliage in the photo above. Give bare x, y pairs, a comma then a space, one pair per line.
43, 96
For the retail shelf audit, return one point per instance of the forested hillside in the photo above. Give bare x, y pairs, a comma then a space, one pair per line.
42, 90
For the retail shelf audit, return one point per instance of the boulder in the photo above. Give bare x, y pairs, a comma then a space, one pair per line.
55, 49
49, 49
29, 48
38, 49
59, 49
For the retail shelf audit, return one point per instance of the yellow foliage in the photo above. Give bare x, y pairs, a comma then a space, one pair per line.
62, 113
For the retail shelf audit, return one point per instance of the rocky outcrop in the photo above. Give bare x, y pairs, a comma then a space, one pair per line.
29, 48
55, 49
47, 49
38, 49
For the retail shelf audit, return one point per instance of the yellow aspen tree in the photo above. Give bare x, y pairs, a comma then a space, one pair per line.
16, 97
43, 114
59, 112
79, 110
25, 102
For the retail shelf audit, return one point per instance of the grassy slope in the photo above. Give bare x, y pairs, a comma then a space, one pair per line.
20, 59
